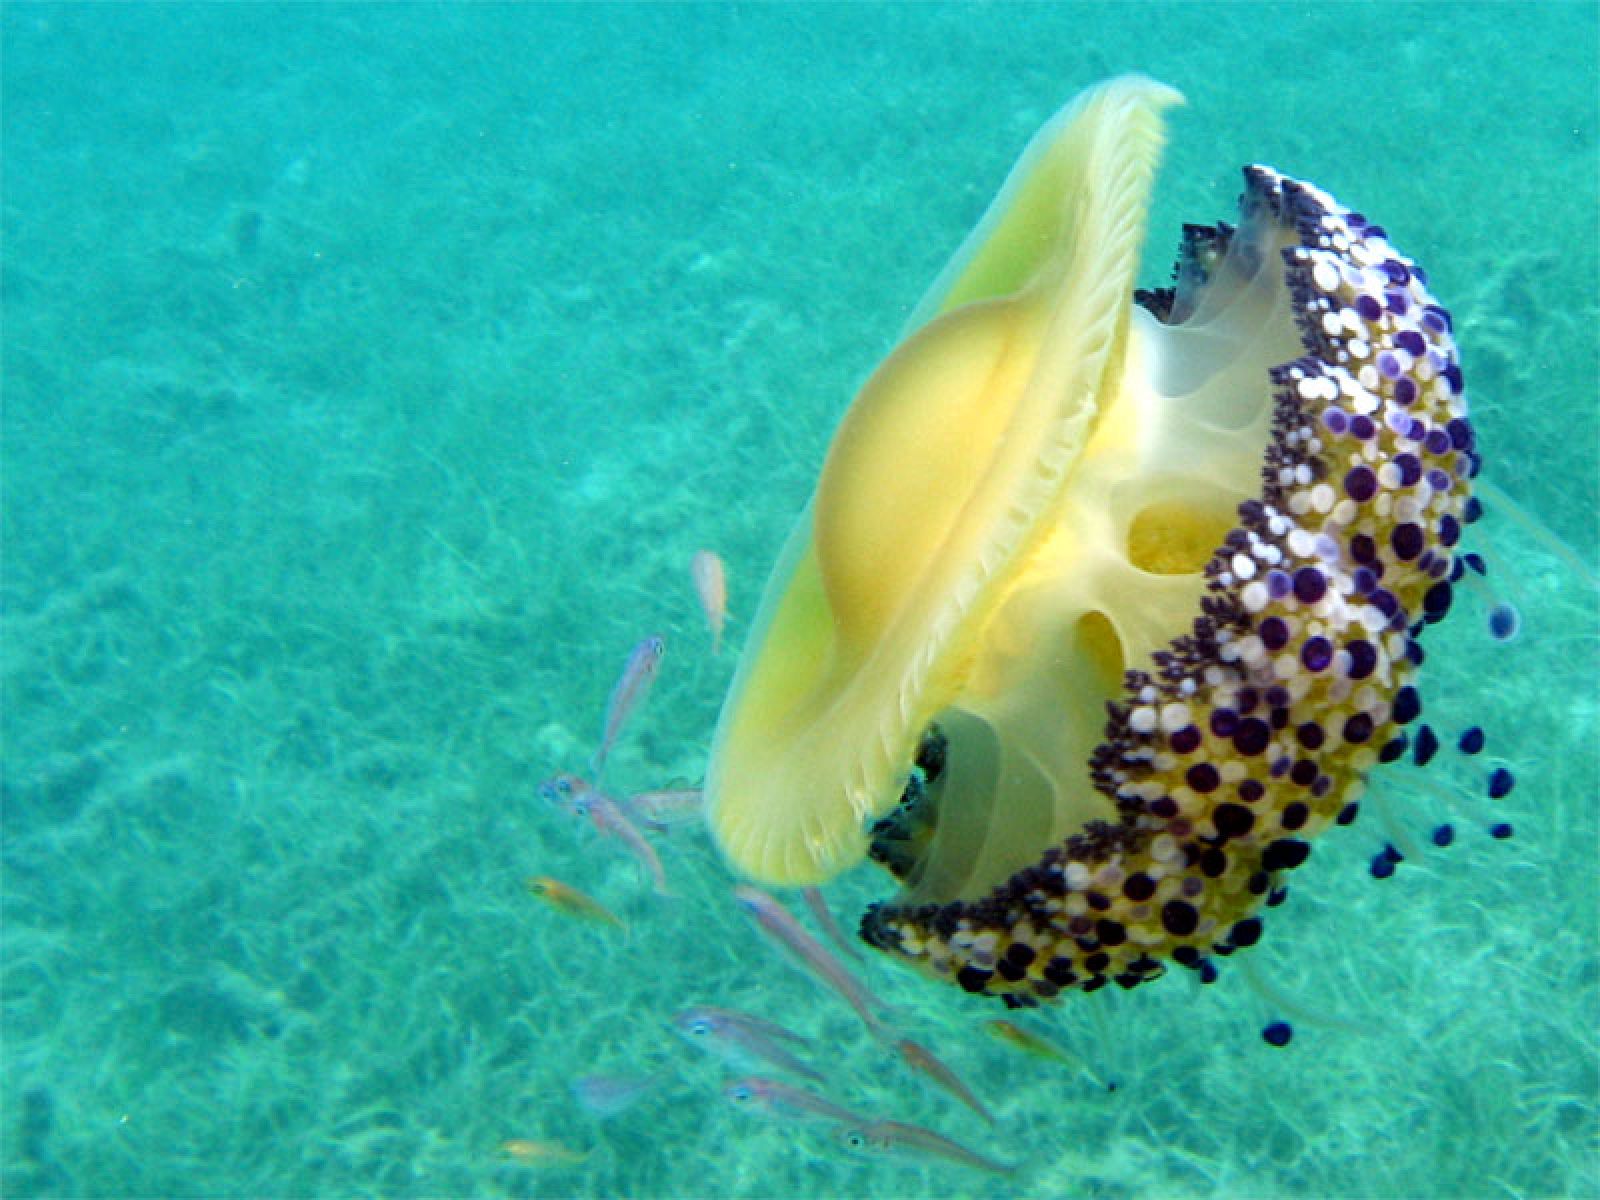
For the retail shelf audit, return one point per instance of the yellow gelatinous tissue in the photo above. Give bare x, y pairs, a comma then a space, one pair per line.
1015, 642
935, 549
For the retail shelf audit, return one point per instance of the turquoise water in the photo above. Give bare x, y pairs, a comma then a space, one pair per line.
370, 377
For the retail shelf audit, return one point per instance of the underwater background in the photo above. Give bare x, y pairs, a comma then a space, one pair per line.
371, 375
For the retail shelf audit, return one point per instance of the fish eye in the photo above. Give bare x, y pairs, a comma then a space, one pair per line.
740, 1092
855, 1139
564, 786
700, 1027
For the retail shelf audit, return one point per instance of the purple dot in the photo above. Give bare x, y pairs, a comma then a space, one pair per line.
1504, 622
1362, 428
1334, 420
1437, 442
1398, 302
1396, 271
1368, 307
1405, 392
1411, 342
1363, 658
1436, 602
1274, 633
1407, 540
1202, 777
1317, 653
1410, 468
1303, 773
1310, 735
1460, 434
1438, 480
1252, 736
1251, 790
1452, 376
1223, 722
1185, 740
1407, 707
1279, 584
1363, 549
1310, 584
1360, 484
1388, 365
1357, 728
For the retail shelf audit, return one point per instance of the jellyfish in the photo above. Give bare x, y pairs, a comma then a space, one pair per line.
1107, 600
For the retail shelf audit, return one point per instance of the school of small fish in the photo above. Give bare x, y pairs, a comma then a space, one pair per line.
743, 1041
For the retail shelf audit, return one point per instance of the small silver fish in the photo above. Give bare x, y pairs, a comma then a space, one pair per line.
661, 809
632, 686
778, 923
781, 1100
577, 796
824, 918
896, 1137
736, 1036
919, 1058
607, 1095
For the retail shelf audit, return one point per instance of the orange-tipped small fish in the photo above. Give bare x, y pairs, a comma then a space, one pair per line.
874, 1138
711, 585
1029, 1043
778, 923
632, 686
571, 901
920, 1058
530, 1152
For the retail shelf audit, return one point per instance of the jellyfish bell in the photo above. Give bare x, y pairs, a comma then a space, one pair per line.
1101, 607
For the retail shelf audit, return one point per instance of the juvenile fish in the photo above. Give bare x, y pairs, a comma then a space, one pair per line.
632, 686
1029, 1043
570, 900
896, 1137
824, 918
578, 797
607, 1095
661, 809
531, 1152
782, 1100
778, 923
711, 585
735, 1036
920, 1058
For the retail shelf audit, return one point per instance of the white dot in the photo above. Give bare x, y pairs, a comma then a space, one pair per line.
1174, 717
